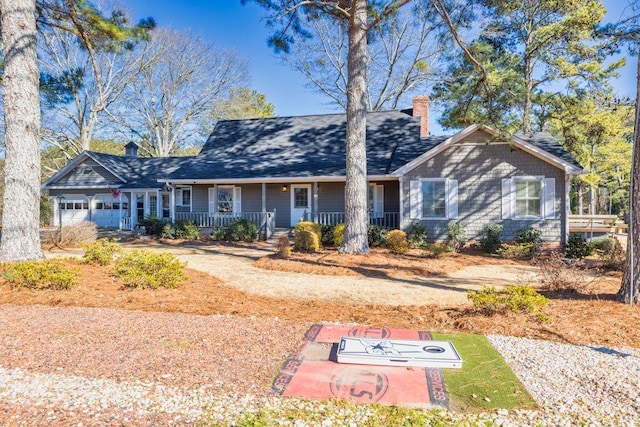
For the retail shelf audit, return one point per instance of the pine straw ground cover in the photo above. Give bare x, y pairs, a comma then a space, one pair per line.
574, 318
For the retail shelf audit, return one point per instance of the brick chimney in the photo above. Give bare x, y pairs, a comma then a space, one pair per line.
421, 109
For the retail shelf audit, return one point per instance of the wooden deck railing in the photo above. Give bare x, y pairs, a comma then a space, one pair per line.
596, 224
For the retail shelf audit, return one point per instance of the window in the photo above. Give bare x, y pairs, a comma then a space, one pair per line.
183, 196
529, 198
433, 199
528, 194
153, 205
225, 198
301, 198
166, 205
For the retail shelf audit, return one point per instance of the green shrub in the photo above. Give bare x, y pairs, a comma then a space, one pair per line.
515, 298
168, 231
528, 235
149, 269
416, 235
52, 274
377, 236
187, 229
490, 238
242, 230
610, 253
306, 240
517, 251
578, 247
153, 226
309, 226
436, 250
219, 233
326, 230
457, 236
397, 242
101, 252
338, 235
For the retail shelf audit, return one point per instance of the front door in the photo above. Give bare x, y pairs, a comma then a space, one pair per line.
300, 202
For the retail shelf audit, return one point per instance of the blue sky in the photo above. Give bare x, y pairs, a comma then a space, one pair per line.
233, 26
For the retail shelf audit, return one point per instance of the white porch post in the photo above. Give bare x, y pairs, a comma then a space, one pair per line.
315, 202
567, 206
264, 198
172, 208
133, 210
158, 203
400, 210
120, 211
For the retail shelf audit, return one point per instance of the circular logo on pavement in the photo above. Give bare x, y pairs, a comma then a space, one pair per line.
359, 385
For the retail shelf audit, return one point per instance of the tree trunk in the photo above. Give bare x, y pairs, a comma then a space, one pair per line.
630, 290
21, 215
356, 216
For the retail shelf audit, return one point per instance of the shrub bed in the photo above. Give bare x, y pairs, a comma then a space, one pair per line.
52, 274
100, 252
149, 269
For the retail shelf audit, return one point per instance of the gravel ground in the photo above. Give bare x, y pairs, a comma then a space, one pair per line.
86, 366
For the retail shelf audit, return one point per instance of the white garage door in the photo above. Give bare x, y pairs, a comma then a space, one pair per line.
106, 210
74, 210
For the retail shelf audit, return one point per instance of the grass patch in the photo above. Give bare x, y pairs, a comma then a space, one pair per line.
485, 381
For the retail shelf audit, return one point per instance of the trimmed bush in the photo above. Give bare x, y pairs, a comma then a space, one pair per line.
100, 252
327, 234
242, 230
306, 241
578, 247
187, 229
515, 298
517, 251
52, 274
528, 235
168, 231
149, 269
490, 238
377, 236
457, 236
283, 247
153, 226
338, 235
309, 226
219, 233
610, 253
436, 250
417, 235
397, 242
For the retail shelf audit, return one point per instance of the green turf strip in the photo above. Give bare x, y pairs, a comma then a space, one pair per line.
485, 380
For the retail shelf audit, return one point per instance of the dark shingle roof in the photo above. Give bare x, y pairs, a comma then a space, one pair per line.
140, 172
282, 147
551, 145
305, 146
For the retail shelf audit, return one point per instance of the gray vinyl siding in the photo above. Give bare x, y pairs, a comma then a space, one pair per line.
391, 196
330, 197
88, 173
199, 199
479, 170
251, 197
281, 202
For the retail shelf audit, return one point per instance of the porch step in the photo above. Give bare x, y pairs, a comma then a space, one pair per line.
282, 232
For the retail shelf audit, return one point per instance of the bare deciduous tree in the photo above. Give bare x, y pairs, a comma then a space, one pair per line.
179, 77
75, 109
402, 58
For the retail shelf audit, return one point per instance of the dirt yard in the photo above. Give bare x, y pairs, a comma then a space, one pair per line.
379, 289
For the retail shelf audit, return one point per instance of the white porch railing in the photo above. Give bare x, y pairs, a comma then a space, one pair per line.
125, 223
383, 219
266, 221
